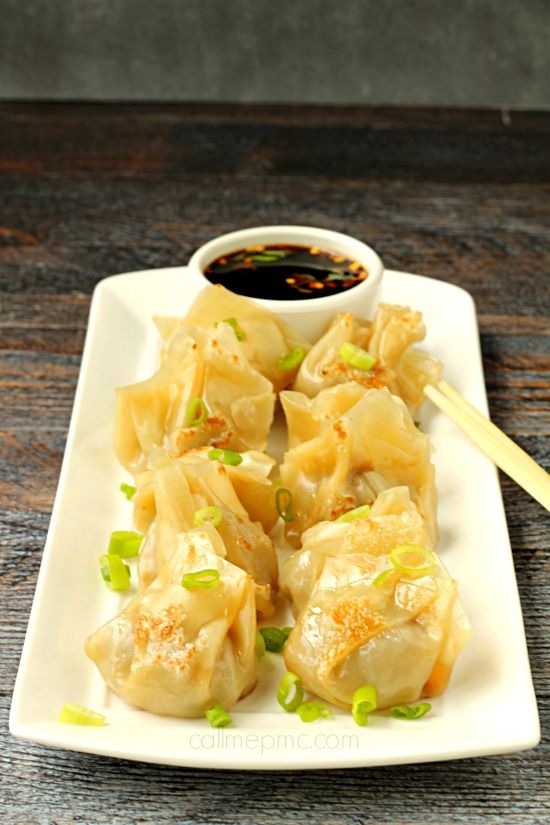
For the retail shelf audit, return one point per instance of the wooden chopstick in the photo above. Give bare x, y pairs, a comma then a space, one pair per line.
493, 442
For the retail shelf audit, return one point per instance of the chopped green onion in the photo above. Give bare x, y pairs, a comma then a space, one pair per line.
124, 543
358, 512
292, 359
284, 508
410, 711
275, 638
276, 483
267, 258
196, 413
381, 577
412, 559
114, 572
311, 711
128, 490
200, 579
260, 646
272, 253
287, 683
357, 356
79, 715
218, 716
364, 701
233, 323
417, 424
225, 457
210, 515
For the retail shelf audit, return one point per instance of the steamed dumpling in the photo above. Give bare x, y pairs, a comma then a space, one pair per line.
265, 337
170, 493
356, 450
402, 636
393, 519
196, 364
177, 652
388, 338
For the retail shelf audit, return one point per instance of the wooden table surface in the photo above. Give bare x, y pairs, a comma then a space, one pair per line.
91, 190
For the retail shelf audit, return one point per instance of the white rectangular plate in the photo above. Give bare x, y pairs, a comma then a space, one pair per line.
492, 675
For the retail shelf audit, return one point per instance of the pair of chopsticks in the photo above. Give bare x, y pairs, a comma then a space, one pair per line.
502, 450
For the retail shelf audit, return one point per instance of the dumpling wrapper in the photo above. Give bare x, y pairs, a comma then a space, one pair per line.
372, 446
393, 519
177, 652
196, 364
169, 494
402, 636
388, 338
267, 338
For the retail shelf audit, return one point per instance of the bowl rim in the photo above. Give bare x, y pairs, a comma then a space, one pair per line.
231, 241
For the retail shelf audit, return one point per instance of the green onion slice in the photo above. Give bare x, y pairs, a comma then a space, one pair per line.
234, 324
268, 258
283, 504
276, 483
79, 715
218, 717
260, 646
412, 559
225, 457
115, 573
410, 711
124, 543
311, 711
200, 579
290, 683
357, 356
196, 413
208, 515
364, 701
381, 577
274, 638
128, 490
292, 359
358, 512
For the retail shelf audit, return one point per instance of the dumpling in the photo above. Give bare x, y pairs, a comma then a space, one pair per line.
388, 338
372, 446
264, 339
177, 652
393, 519
305, 416
249, 479
196, 365
402, 635
170, 493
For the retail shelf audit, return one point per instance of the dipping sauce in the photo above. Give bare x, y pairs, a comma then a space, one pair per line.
285, 272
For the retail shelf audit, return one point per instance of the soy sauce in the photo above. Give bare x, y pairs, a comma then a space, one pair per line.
285, 272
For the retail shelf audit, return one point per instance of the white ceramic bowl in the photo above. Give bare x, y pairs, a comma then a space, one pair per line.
311, 315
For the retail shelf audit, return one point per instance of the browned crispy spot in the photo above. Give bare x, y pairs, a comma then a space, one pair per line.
160, 627
214, 421
356, 617
342, 505
339, 429
245, 544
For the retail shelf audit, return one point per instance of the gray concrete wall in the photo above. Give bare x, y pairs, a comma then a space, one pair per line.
449, 52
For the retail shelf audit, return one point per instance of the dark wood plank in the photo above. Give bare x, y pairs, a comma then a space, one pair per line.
88, 191
126, 140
